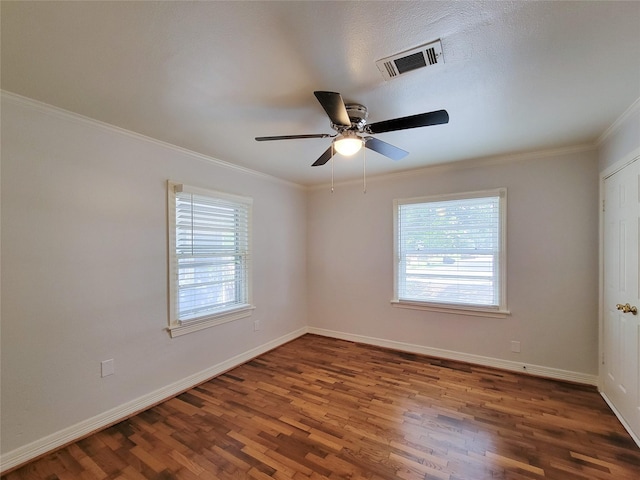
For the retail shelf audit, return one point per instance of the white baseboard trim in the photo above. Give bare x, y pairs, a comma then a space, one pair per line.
70, 434
463, 357
626, 426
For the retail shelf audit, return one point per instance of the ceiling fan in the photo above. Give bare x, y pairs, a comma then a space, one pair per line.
350, 122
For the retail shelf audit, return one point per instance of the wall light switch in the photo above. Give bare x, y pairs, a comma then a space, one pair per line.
107, 367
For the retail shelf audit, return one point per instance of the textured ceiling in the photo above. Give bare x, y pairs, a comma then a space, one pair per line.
211, 76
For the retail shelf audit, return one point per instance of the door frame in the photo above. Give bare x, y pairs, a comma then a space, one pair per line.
628, 159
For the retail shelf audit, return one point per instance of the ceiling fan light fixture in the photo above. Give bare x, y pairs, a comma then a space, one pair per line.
348, 145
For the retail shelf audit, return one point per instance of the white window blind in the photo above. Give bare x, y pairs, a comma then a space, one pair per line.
211, 254
450, 250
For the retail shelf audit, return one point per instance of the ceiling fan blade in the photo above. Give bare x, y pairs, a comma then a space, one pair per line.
386, 149
421, 120
293, 137
324, 158
334, 106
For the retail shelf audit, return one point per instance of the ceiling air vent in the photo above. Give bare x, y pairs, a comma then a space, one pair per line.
419, 57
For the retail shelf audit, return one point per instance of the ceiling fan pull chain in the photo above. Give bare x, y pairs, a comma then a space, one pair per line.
332, 152
364, 170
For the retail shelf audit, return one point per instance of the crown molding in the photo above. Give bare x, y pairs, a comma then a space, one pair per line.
465, 164
61, 113
635, 106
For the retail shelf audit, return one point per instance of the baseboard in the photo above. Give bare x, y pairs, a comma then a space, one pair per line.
63, 437
624, 423
538, 370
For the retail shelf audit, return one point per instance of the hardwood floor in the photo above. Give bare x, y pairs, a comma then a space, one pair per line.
323, 408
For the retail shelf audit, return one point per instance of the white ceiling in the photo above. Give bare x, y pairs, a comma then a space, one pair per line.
211, 76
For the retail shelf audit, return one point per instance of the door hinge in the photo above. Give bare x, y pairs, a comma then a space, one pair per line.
603, 205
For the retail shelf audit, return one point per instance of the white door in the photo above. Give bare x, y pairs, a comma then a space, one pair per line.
621, 326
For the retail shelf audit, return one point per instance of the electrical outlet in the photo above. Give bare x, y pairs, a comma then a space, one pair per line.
515, 346
256, 325
107, 367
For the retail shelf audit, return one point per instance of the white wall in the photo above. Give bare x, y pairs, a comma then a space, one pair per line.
552, 242
84, 268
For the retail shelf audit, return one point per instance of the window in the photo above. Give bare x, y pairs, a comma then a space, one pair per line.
450, 253
209, 258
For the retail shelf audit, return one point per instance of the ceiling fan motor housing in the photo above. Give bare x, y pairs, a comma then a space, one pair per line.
357, 115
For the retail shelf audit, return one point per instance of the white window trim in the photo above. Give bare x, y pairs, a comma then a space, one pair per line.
500, 311
177, 327
446, 308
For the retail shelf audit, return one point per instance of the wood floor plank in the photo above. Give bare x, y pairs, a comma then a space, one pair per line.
323, 409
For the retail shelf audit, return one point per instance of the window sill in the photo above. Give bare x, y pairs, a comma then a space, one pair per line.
179, 329
456, 309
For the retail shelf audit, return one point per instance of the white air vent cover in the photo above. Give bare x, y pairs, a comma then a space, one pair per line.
419, 57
